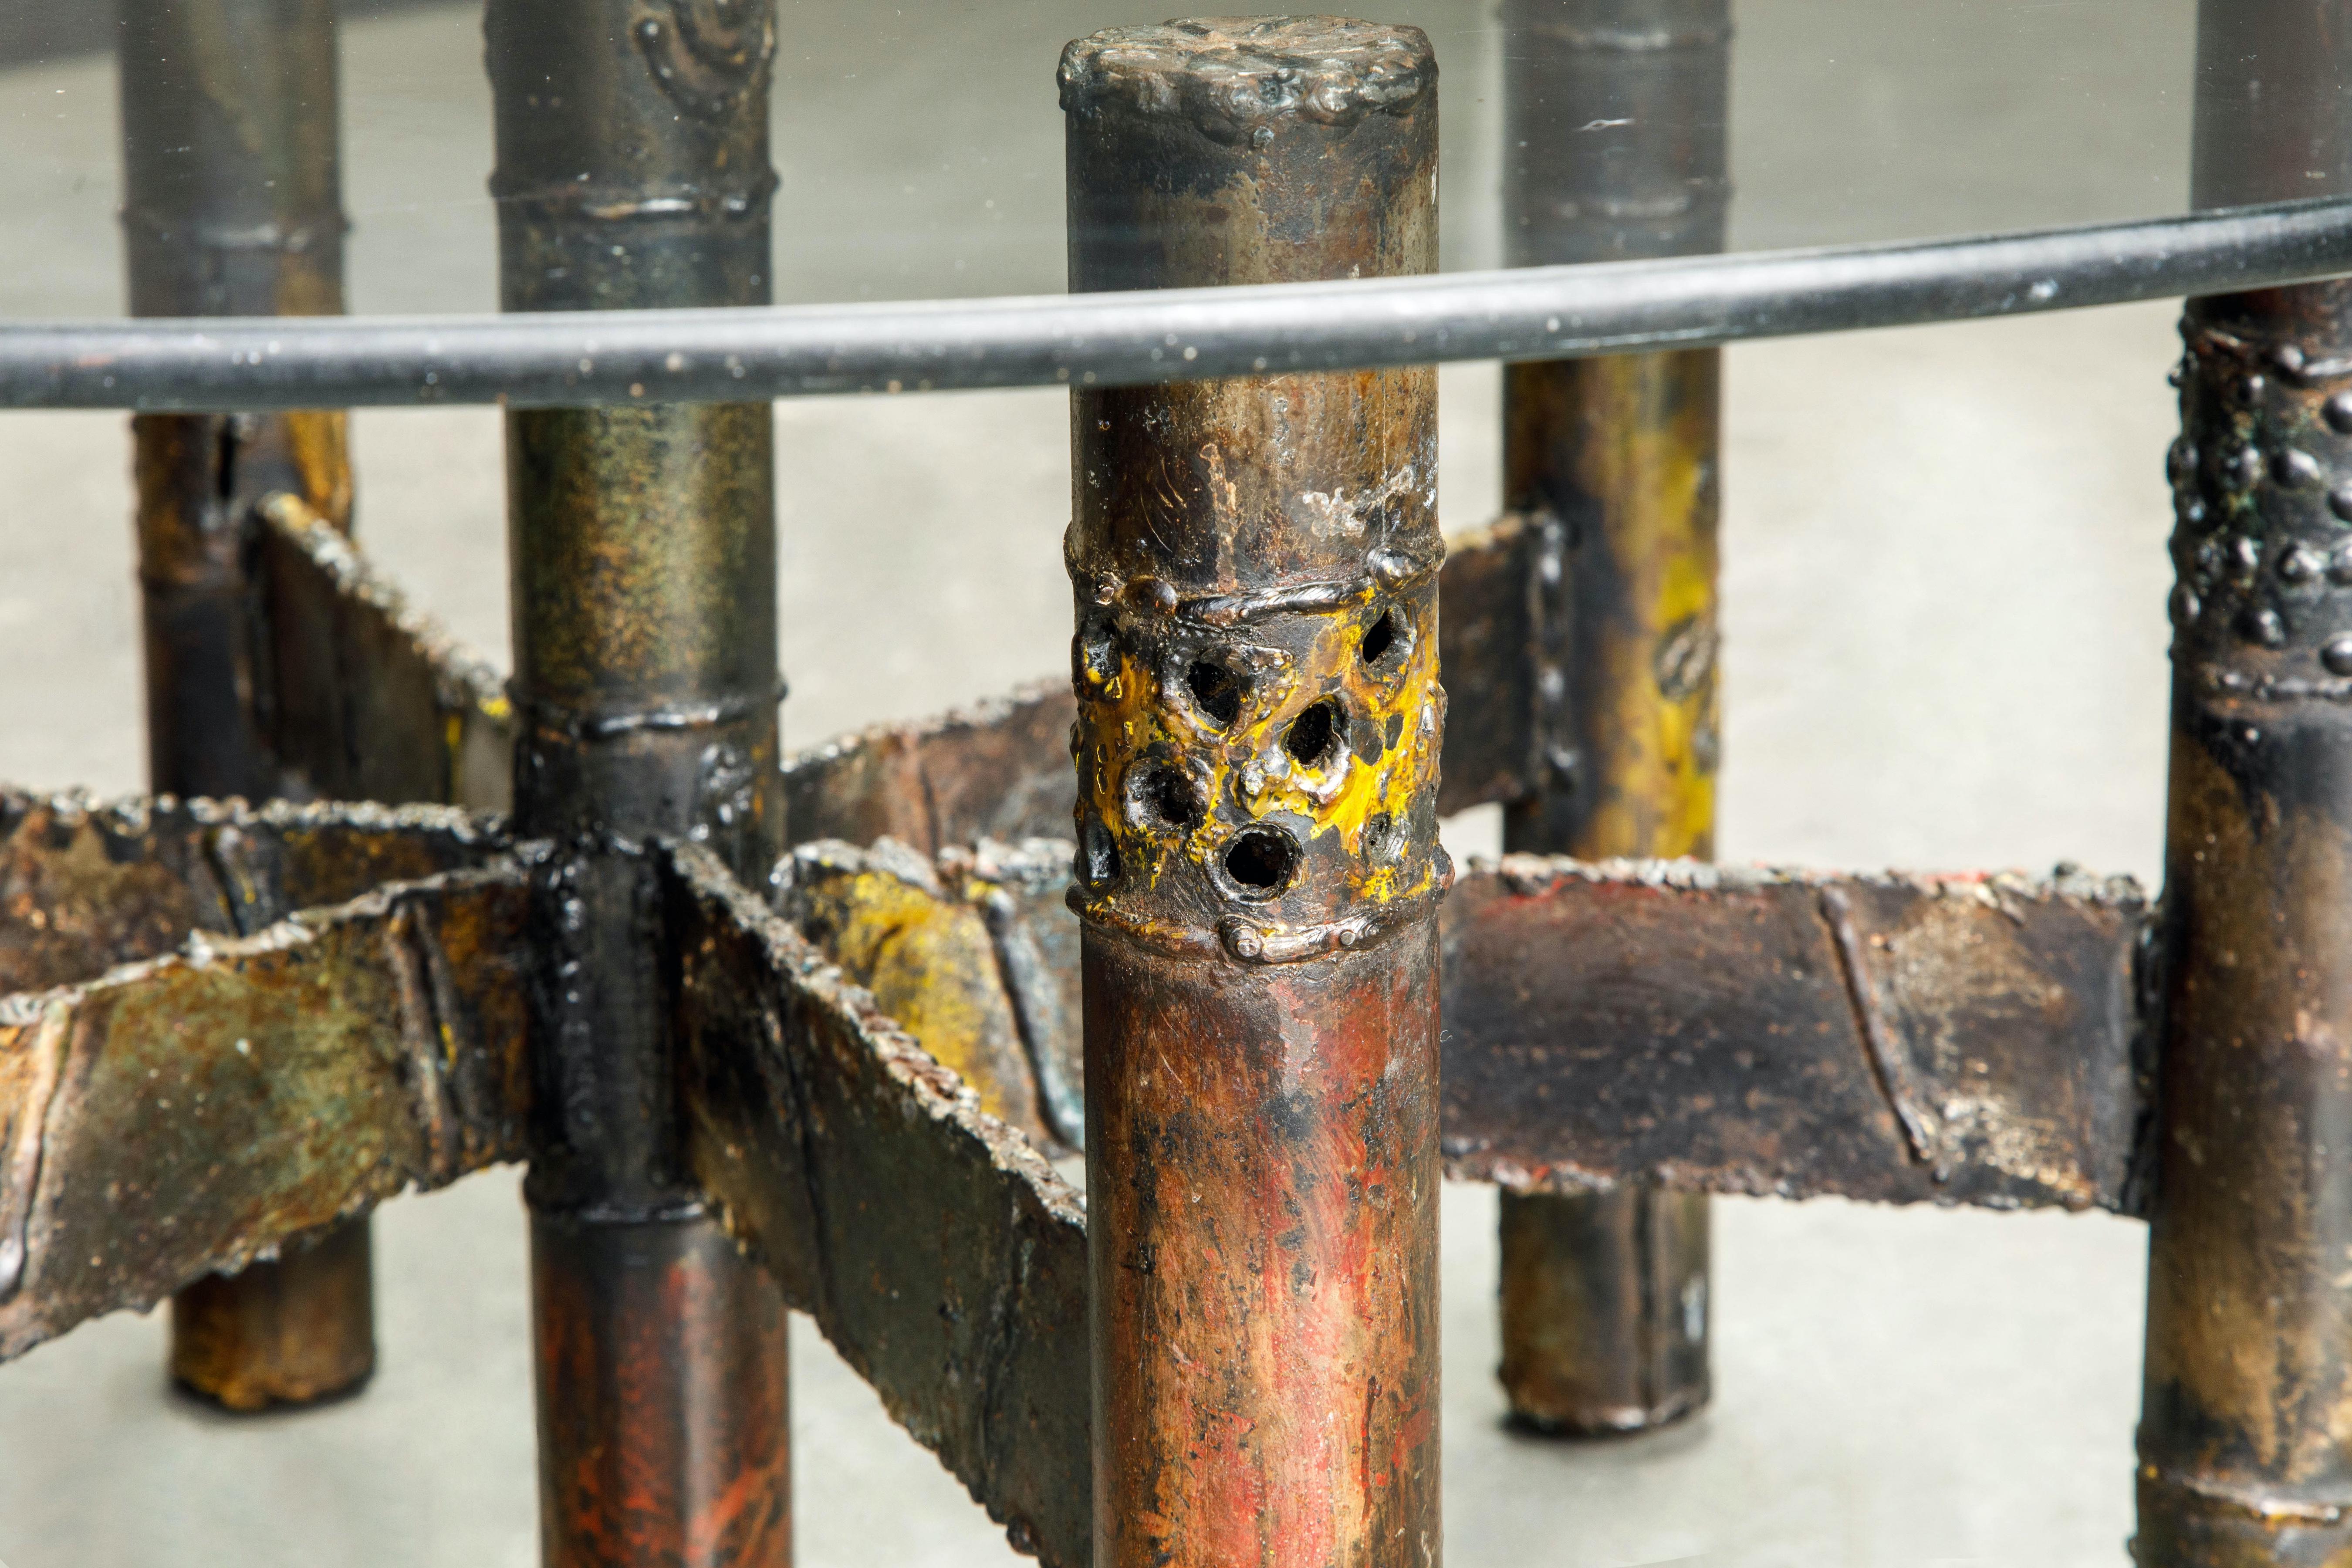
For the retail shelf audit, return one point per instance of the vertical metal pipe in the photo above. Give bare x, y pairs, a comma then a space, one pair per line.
1255, 562
233, 207
632, 171
2245, 1436
1615, 114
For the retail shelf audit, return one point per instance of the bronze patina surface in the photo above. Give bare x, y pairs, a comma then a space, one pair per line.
1615, 118
1259, 720
233, 206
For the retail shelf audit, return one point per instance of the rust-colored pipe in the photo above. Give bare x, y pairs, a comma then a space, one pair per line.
1614, 117
1259, 722
2245, 1435
633, 172
233, 207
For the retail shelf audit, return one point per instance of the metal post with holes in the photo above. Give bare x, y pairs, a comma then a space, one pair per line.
2245, 1436
233, 207
1615, 120
632, 171
1255, 563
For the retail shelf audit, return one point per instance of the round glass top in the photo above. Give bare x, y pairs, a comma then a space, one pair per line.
919, 146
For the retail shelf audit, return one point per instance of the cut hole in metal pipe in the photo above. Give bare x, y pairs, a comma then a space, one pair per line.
1216, 691
1262, 861
1313, 738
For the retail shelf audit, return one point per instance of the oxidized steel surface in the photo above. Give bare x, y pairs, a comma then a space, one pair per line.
1604, 1307
1615, 123
1613, 463
654, 1340
232, 207
1000, 770
87, 885
1678, 1021
2245, 1456
279, 1082
1966, 1040
1487, 630
372, 699
933, 1245
1255, 568
957, 955
632, 171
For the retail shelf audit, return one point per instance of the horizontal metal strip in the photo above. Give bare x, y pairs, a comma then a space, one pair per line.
1961, 1040
371, 699
199, 1111
932, 1243
751, 354
999, 770
1958, 1040
85, 885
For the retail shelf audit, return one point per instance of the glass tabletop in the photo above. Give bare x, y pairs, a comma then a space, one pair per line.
919, 146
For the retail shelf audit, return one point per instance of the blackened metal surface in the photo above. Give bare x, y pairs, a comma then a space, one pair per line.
1139, 340
371, 698
345, 1055
1965, 1040
632, 173
633, 166
232, 199
1255, 564
933, 1245
2244, 1458
1000, 770
1604, 1307
1487, 627
231, 208
2245, 1432
641, 539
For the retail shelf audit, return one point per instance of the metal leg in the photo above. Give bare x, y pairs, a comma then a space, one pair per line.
234, 208
1604, 1296
2245, 1436
1259, 724
643, 557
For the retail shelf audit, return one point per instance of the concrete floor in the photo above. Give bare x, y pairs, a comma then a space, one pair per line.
1945, 647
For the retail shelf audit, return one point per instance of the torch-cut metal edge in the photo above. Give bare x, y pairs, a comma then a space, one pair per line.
277, 1083
933, 1244
997, 769
88, 884
372, 698
1972, 1039
750, 353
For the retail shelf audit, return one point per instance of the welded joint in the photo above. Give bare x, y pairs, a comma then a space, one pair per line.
2238, 495
1558, 758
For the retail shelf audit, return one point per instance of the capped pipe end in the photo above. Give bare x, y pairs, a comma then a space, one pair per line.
1230, 77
